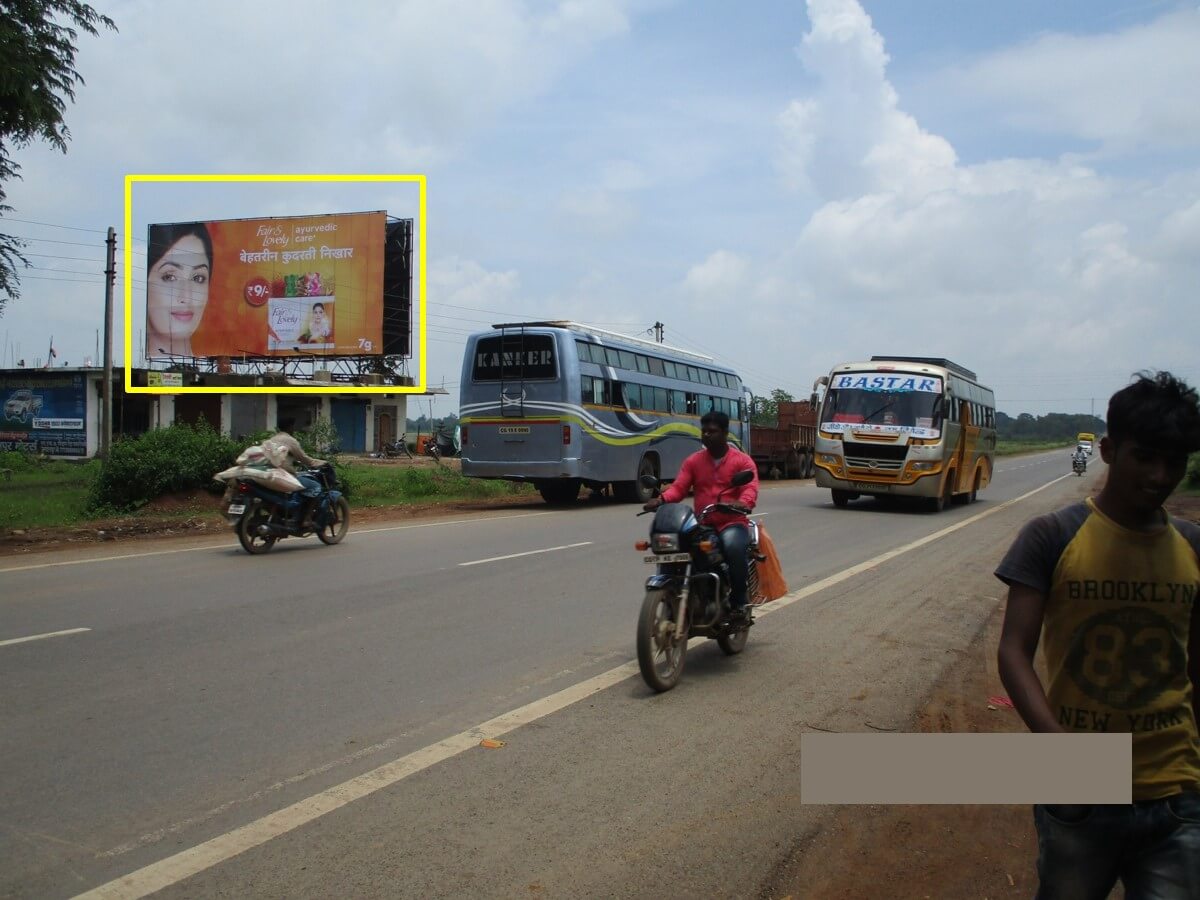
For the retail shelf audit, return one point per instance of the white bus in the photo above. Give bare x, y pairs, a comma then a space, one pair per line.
905, 427
563, 405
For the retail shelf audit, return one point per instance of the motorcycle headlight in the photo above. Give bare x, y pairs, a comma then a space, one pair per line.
666, 543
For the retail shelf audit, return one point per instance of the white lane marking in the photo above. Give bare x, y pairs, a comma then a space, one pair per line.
838, 577
479, 562
187, 863
97, 559
39, 637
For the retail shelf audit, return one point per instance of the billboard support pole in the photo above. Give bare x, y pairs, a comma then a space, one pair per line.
110, 274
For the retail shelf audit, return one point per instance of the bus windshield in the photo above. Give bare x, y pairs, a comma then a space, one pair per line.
884, 403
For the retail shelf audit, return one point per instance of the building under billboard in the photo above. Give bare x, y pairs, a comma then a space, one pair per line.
324, 298
56, 412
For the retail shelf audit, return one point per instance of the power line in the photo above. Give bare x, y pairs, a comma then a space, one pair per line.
53, 225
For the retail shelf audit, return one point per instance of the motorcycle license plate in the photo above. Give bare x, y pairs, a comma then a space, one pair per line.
236, 509
659, 558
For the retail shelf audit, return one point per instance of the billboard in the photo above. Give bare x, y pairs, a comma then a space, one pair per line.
43, 413
297, 286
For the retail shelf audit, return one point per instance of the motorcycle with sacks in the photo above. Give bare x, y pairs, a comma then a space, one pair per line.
264, 502
688, 596
1078, 464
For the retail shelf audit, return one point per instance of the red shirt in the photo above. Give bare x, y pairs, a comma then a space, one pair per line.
708, 477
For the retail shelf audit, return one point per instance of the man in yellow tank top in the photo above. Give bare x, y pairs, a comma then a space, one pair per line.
1110, 585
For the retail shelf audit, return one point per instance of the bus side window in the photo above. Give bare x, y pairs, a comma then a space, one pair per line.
691, 403
614, 358
633, 395
643, 364
656, 367
660, 400
678, 402
670, 370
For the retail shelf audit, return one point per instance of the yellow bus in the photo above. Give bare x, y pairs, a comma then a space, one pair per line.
904, 426
1086, 440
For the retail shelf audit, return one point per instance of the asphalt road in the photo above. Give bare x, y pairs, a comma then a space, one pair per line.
233, 700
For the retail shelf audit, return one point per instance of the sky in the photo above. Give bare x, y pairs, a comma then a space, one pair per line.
785, 185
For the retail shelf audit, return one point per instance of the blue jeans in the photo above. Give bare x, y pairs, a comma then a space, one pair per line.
735, 541
1152, 847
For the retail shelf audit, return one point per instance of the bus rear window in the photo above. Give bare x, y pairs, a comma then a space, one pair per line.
514, 356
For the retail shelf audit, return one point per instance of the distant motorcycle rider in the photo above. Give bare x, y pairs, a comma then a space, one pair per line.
1079, 458
709, 473
296, 454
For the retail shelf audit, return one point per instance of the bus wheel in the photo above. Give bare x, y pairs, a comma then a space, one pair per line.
841, 499
647, 466
560, 491
938, 503
974, 495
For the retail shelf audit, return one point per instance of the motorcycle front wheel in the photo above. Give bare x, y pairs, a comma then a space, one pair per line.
247, 530
337, 524
660, 655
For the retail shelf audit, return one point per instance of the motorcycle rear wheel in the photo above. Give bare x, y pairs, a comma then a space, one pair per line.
660, 655
338, 524
247, 530
734, 642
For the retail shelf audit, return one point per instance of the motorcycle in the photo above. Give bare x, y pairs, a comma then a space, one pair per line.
1078, 465
440, 444
261, 516
396, 449
688, 596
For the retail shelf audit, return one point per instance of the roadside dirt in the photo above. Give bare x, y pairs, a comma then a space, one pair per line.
919, 852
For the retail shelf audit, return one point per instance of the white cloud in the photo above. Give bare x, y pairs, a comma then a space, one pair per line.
721, 274
464, 282
1000, 262
1126, 90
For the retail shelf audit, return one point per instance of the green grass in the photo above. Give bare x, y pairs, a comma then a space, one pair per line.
49, 494
380, 486
1015, 448
45, 494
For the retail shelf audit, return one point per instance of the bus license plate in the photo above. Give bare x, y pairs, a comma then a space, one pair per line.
660, 558
236, 509
871, 486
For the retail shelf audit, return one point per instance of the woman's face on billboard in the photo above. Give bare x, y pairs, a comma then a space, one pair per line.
178, 289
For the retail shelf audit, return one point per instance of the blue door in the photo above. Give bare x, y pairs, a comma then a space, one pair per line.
350, 422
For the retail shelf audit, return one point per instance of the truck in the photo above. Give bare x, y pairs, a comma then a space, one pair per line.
786, 449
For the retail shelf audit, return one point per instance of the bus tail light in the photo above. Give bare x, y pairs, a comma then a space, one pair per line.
707, 546
566, 435
462, 436
641, 545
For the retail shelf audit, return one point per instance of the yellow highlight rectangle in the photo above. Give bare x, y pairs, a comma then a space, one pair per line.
418, 388
1007, 768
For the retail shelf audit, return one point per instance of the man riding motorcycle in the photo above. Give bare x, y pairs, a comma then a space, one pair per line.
296, 454
1079, 458
709, 473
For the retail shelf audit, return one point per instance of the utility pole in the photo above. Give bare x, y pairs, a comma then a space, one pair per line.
110, 275
658, 332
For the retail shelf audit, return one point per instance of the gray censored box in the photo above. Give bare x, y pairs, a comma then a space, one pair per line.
966, 768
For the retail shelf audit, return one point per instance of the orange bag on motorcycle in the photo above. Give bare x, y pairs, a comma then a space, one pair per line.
771, 585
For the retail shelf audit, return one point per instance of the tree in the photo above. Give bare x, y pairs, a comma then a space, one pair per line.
37, 78
766, 409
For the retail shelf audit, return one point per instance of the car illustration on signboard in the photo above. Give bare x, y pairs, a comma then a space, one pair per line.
22, 405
